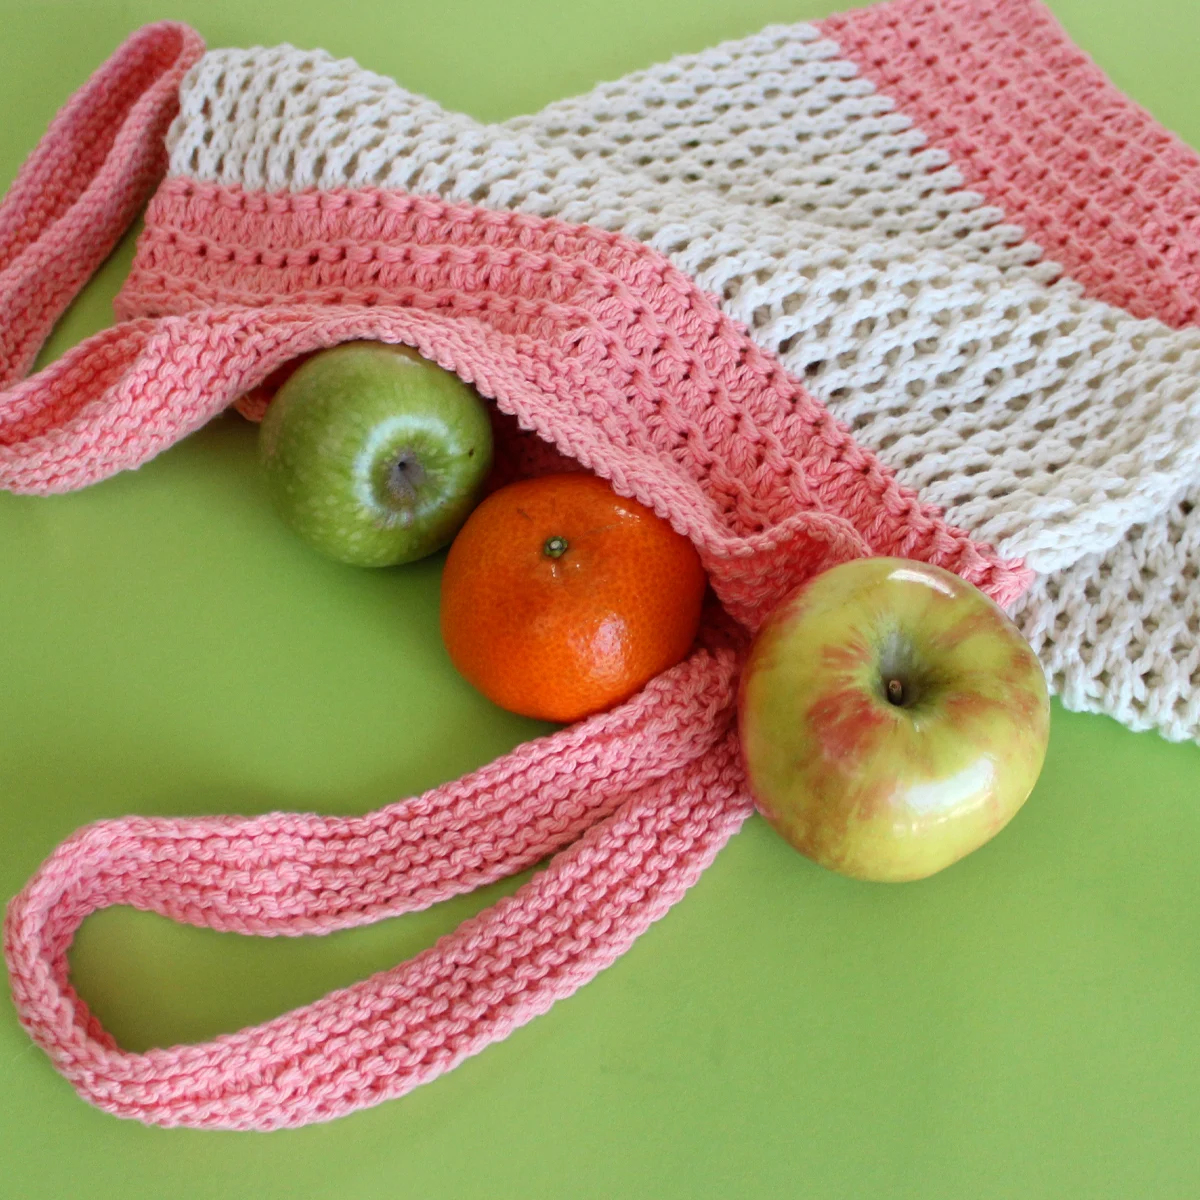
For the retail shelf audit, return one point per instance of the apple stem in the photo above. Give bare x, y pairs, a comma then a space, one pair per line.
895, 692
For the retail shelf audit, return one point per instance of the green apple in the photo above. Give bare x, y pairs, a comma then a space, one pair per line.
375, 455
892, 719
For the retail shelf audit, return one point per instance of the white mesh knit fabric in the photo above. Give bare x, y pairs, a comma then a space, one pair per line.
1057, 427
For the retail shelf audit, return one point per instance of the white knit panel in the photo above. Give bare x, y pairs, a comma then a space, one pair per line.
1119, 633
1044, 423
779, 123
283, 118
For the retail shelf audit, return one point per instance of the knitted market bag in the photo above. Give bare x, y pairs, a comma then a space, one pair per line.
916, 280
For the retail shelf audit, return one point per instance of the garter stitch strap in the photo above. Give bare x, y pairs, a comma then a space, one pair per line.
78, 192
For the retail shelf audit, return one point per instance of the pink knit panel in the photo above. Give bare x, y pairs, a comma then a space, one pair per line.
77, 194
1035, 126
594, 341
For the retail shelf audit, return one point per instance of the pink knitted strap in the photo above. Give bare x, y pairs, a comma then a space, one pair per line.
1037, 128
655, 785
78, 192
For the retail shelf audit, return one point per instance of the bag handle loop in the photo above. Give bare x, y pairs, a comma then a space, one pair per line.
83, 185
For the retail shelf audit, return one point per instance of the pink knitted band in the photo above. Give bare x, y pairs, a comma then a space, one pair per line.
78, 192
1035, 126
605, 350
594, 341
654, 789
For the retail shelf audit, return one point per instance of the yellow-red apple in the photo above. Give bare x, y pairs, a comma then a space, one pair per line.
892, 719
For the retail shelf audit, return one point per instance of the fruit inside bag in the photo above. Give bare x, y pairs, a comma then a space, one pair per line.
620, 354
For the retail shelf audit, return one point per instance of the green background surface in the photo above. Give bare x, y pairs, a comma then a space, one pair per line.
1023, 1025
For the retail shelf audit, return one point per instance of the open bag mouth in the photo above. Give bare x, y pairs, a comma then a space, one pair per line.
595, 343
